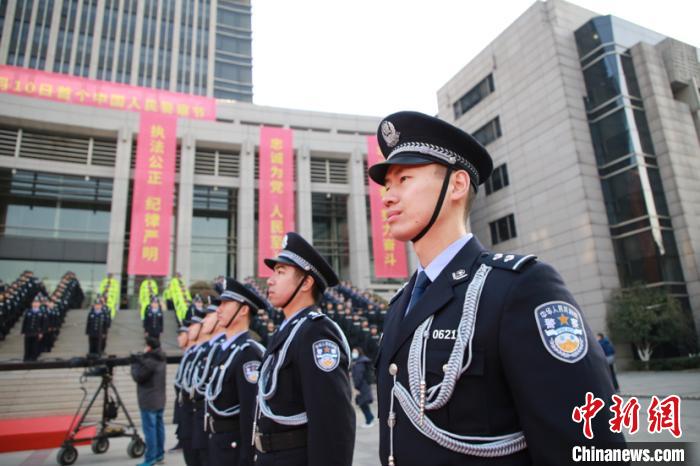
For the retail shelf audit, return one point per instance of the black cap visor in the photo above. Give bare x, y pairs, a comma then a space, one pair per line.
279, 260
378, 171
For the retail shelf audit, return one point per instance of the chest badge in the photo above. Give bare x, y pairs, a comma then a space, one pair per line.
251, 371
561, 328
326, 355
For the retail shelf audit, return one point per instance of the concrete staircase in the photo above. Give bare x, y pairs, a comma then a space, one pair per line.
46, 392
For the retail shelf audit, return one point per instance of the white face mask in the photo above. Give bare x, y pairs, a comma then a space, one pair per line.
355, 355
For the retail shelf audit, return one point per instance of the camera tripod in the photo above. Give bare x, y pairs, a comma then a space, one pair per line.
68, 454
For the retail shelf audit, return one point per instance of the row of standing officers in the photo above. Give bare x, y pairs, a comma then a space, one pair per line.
483, 355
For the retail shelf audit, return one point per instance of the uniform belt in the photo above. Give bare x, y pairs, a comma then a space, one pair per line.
229, 426
268, 443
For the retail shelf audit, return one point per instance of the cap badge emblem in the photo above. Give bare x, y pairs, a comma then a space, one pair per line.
389, 133
284, 242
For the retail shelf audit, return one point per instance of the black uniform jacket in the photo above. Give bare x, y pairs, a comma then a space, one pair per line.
240, 388
98, 323
35, 323
513, 383
325, 396
153, 321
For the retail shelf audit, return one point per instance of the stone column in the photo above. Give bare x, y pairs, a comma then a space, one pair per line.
245, 214
183, 237
304, 223
120, 198
357, 223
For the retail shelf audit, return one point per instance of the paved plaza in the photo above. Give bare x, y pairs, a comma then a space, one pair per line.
640, 384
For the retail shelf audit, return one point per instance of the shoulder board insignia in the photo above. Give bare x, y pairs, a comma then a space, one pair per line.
398, 293
512, 262
315, 315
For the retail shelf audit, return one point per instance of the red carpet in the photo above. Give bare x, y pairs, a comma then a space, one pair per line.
36, 433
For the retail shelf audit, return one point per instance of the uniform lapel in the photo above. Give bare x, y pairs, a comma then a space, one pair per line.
439, 293
394, 317
281, 337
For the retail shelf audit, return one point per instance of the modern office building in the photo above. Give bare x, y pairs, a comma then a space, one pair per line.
198, 47
594, 128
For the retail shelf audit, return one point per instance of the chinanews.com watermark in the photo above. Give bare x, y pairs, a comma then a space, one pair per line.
663, 453
661, 415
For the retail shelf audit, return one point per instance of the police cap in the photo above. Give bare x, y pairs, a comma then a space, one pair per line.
236, 291
298, 252
412, 138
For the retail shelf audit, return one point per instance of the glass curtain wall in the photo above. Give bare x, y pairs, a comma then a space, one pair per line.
330, 224
213, 233
51, 223
640, 225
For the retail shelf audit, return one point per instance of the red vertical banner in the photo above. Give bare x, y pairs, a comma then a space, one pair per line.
389, 254
152, 203
276, 193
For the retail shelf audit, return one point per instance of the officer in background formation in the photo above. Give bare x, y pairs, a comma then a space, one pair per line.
109, 288
197, 306
153, 319
53, 323
304, 392
484, 356
17, 297
147, 291
34, 327
97, 327
232, 387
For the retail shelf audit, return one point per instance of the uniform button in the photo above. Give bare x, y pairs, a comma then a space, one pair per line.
234, 444
393, 369
445, 367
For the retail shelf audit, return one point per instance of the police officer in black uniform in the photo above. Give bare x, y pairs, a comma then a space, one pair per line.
34, 327
484, 356
232, 387
97, 327
210, 338
183, 344
304, 392
153, 320
183, 381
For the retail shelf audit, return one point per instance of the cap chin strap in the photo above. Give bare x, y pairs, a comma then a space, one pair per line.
438, 206
240, 306
306, 274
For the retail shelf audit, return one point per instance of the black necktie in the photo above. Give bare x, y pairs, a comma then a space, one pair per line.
422, 282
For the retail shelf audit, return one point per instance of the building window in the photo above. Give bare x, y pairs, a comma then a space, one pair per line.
503, 229
475, 95
498, 179
489, 132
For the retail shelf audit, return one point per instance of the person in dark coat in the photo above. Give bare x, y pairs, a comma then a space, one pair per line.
361, 377
34, 328
485, 356
149, 371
